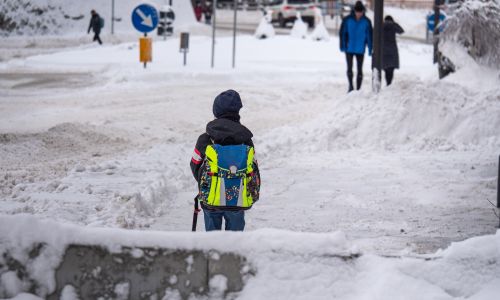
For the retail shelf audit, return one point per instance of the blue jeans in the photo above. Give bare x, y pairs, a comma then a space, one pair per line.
235, 220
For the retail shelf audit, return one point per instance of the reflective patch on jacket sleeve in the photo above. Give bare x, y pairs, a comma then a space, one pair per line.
196, 159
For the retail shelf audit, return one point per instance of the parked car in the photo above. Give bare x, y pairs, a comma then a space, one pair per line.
285, 11
221, 4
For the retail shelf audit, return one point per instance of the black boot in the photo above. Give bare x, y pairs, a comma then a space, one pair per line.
351, 87
359, 81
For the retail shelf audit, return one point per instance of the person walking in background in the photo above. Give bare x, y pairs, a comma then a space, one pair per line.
390, 55
198, 10
224, 166
355, 35
207, 12
96, 24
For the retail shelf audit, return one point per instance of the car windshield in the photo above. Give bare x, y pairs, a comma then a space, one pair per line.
299, 1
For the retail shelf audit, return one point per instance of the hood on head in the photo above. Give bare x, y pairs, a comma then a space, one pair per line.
227, 102
358, 6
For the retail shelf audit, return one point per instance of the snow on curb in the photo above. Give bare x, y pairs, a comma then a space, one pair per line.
325, 263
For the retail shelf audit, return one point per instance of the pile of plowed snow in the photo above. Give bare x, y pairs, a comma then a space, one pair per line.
416, 116
303, 265
29, 157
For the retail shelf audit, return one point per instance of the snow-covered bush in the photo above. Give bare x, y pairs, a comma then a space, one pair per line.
299, 29
475, 25
265, 28
320, 33
29, 17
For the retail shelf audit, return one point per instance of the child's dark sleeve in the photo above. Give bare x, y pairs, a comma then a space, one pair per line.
199, 155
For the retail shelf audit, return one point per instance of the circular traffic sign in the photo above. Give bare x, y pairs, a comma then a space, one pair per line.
145, 18
430, 21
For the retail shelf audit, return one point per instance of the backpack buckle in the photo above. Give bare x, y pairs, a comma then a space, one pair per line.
233, 169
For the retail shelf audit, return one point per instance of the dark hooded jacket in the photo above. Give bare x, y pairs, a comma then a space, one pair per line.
390, 48
225, 130
95, 23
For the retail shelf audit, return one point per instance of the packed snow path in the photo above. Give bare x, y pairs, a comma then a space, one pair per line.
409, 169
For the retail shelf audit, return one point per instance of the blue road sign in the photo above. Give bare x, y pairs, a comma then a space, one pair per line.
430, 21
145, 18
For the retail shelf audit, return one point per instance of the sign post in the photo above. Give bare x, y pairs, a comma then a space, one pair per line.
214, 16
112, 16
377, 46
436, 30
235, 4
184, 48
431, 22
145, 52
145, 19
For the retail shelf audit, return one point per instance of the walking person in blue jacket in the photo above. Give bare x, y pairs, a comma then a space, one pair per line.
355, 34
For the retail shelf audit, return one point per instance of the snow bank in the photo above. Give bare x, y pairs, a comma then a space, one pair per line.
22, 236
319, 33
299, 29
265, 28
303, 265
426, 116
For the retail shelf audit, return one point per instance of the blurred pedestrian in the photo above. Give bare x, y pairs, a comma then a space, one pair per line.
355, 34
390, 60
207, 12
198, 10
96, 24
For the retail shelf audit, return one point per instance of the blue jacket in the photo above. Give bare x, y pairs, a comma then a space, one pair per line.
356, 35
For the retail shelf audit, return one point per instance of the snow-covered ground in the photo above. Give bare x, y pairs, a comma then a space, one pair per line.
91, 138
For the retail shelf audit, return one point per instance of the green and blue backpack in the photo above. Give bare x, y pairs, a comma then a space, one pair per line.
228, 177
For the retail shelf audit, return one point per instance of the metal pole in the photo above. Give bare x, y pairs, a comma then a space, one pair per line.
234, 31
112, 16
498, 184
426, 29
436, 30
214, 6
377, 46
185, 55
145, 35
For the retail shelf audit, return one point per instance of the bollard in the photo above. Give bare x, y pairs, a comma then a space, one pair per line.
184, 47
145, 51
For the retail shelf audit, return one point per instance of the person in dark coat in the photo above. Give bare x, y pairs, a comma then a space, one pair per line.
390, 59
198, 11
355, 35
207, 12
226, 129
95, 25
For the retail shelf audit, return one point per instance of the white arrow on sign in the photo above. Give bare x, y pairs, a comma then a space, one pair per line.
146, 20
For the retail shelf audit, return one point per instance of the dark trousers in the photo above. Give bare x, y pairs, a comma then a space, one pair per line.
359, 77
97, 38
235, 220
389, 75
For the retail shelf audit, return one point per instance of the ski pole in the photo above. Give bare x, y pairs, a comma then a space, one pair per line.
195, 213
